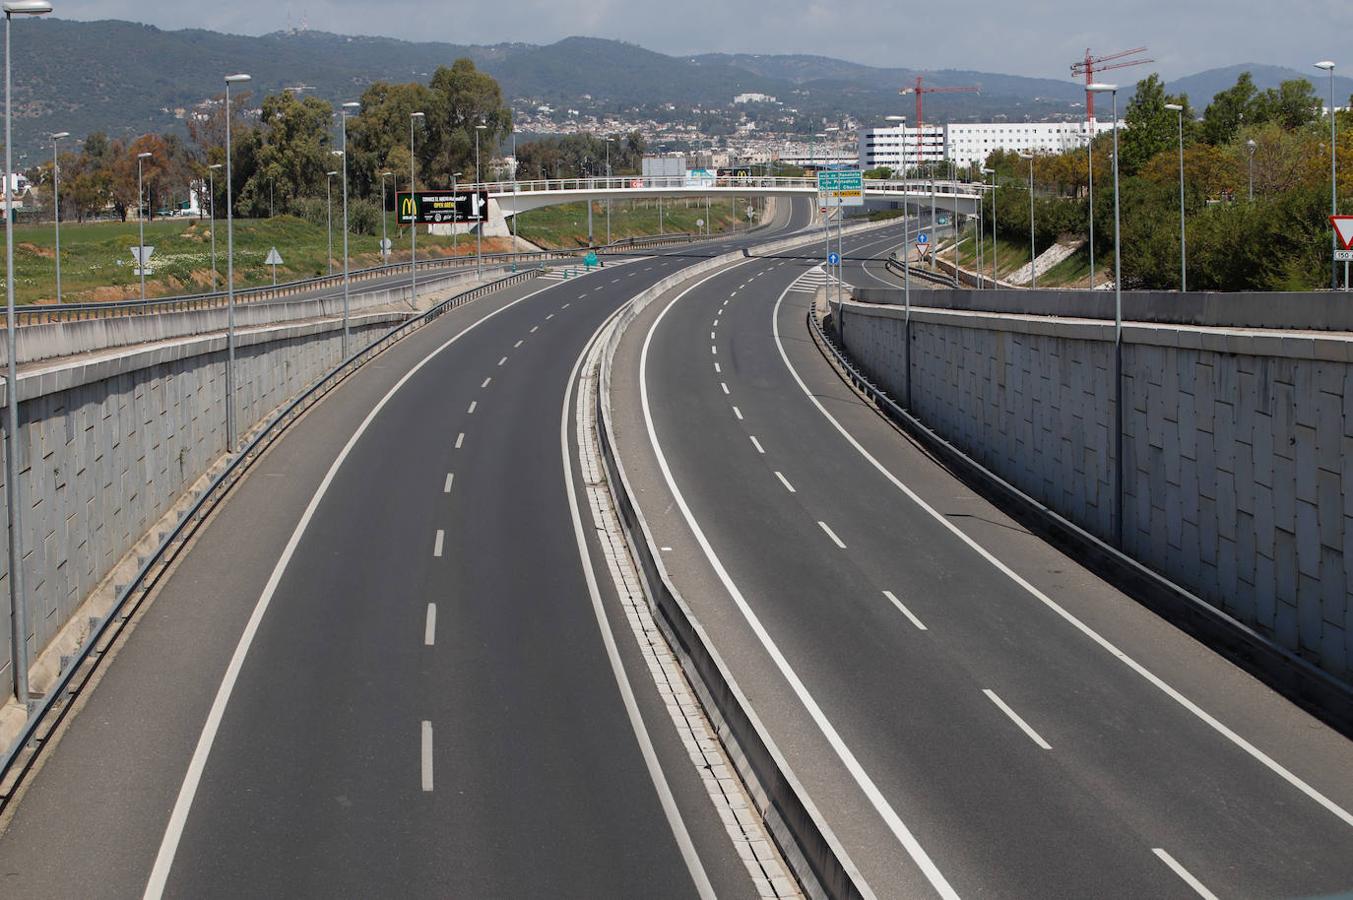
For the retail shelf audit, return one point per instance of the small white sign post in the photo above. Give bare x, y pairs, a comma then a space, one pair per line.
141, 255
274, 259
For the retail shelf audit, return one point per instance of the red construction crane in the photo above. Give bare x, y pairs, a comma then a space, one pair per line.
1094, 64
920, 91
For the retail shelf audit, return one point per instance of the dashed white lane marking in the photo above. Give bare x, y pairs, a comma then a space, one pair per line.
1184, 874
1014, 717
486, 382
716, 324
427, 756
535, 328
724, 385
460, 439
711, 335
629, 274
785, 481
1108, 646
450, 477
737, 412
430, 626
473, 404
503, 360
582, 295
714, 350
615, 281
717, 370
902, 609
832, 534
757, 444
550, 316
665, 549
437, 544
518, 344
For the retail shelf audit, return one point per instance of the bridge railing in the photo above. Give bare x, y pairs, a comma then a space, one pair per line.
696, 183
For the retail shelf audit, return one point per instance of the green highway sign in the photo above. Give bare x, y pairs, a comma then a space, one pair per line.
841, 187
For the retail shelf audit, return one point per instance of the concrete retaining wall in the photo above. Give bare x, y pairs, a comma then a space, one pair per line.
106, 448
1238, 445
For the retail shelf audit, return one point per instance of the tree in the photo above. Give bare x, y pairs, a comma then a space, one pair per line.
290, 154
465, 98
1229, 110
1151, 128
1292, 105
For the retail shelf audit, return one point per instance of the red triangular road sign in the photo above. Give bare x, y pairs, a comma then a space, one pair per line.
1343, 226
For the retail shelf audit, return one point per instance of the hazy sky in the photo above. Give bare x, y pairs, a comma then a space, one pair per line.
1025, 37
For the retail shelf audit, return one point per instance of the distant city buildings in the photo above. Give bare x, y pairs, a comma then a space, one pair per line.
967, 143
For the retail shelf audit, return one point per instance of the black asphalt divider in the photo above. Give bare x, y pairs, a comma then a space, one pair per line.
47, 716
1305, 684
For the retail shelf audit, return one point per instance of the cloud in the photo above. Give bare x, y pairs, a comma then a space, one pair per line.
1039, 37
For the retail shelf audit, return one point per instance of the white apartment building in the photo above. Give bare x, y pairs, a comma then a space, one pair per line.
965, 143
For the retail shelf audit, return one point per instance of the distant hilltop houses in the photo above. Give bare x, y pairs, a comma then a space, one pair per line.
754, 98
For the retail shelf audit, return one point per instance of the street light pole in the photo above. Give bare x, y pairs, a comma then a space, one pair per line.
514, 187
1090, 181
329, 213
211, 179
231, 431
18, 613
1033, 249
1250, 145
413, 226
1334, 195
479, 226
141, 222
56, 205
1117, 328
347, 107
385, 238
1183, 250
609, 142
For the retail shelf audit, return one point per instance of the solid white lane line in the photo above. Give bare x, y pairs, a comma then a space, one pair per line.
426, 754
430, 628
757, 444
503, 360
486, 382
1254, 752
724, 385
518, 344
437, 545
178, 817
1014, 717
460, 439
473, 404
843, 752
902, 609
785, 481
450, 477
737, 412
1184, 874
832, 534
704, 889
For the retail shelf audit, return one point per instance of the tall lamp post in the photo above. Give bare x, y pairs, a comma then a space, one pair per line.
609, 142
1033, 249
231, 431
343, 153
385, 241
514, 187
1098, 88
479, 226
18, 613
56, 205
413, 226
1250, 146
1178, 108
992, 172
329, 207
211, 189
141, 221
1334, 195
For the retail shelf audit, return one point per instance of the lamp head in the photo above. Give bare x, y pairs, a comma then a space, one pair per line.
1099, 87
238, 79
27, 8
60, 134
146, 155
416, 115
1326, 65
332, 174
1174, 107
352, 104
215, 166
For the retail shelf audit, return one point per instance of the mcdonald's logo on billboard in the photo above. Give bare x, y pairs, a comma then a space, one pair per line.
406, 208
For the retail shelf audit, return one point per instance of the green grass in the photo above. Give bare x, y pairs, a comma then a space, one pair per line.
96, 261
566, 226
1074, 271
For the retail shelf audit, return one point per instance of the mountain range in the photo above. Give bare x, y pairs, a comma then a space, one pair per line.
127, 78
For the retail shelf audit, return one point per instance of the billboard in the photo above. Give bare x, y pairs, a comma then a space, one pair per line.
439, 207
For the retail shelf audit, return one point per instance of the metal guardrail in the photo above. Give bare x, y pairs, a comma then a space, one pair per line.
79, 668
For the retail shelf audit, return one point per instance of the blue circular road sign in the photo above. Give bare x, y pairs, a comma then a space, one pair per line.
922, 238
834, 258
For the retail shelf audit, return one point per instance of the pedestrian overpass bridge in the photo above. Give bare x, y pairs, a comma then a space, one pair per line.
507, 198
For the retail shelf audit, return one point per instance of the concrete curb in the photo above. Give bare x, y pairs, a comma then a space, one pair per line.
807, 841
